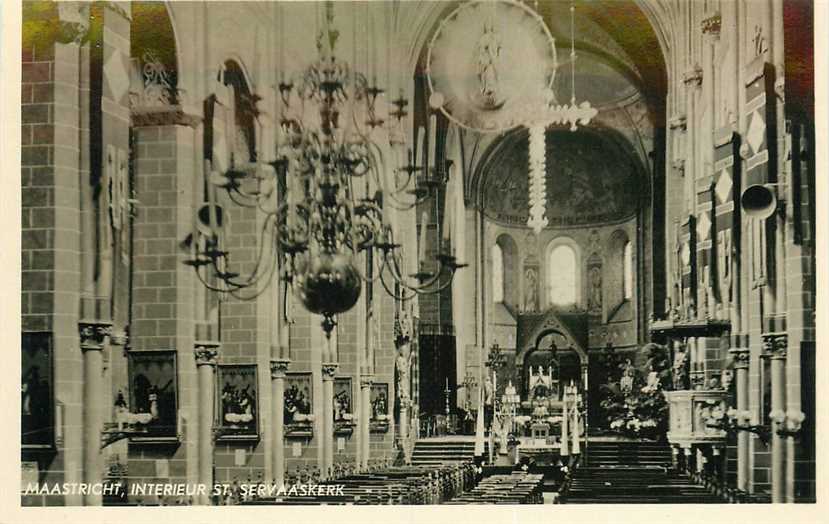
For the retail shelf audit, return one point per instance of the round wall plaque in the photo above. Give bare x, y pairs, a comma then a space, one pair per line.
491, 65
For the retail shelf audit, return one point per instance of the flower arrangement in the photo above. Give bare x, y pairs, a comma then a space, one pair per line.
635, 405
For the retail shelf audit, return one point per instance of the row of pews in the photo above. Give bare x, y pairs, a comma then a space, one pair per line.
389, 485
518, 487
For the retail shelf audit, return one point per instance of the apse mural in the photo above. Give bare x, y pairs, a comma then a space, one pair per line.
591, 181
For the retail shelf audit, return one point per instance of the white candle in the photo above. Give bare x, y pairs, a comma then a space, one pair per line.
419, 154
565, 449
424, 221
433, 130
449, 208
281, 13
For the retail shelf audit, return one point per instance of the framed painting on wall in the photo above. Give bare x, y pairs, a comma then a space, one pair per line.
238, 402
37, 428
299, 401
343, 406
153, 383
379, 398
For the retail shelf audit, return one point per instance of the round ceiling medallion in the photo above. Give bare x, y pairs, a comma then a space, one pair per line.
492, 65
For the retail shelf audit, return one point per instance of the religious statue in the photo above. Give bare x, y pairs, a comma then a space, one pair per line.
680, 367
489, 392
727, 378
628, 374
595, 300
488, 58
531, 289
403, 360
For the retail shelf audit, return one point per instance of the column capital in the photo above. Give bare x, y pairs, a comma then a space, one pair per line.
93, 334
693, 77
329, 370
366, 381
711, 26
741, 357
206, 352
775, 345
279, 367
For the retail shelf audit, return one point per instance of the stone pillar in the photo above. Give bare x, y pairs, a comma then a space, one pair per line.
365, 418
741, 358
775, 346
93, 336
278, 369
329, 371
207, 354
403, 430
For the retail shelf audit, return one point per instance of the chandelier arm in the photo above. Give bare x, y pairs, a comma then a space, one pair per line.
361, 273
258, 293
255, 275
241, 203
206, 284
420, 289
402, 297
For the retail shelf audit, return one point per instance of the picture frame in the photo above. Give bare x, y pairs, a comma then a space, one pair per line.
153, 394
238, 402
37, 429
379, 407
298, 414
343, 406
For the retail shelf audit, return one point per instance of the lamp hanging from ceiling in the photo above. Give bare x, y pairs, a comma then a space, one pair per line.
325, 198
503, 79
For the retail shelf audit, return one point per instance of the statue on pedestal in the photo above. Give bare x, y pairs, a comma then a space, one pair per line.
403, 360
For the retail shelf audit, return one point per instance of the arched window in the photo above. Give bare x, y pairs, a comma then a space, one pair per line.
561, 275
497, 274
627, 271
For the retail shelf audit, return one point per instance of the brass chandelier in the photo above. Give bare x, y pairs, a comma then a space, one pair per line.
325, 198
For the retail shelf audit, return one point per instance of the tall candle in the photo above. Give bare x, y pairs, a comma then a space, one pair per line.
565, 448
433, 131
424, 222
449, 208
282, 67
419, 153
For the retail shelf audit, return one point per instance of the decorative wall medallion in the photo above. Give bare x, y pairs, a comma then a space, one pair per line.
491, 65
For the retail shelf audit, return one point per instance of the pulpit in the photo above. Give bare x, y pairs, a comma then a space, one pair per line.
689, 413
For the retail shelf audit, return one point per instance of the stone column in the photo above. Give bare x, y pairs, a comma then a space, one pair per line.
775, 346
741, 358
278, 369
405, 404
365, 418
93, 336
329, 371
207, 354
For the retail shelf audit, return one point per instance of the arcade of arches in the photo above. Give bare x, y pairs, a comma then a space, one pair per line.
663, 316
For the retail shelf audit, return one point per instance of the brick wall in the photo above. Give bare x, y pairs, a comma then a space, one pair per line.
50, 178
163, 305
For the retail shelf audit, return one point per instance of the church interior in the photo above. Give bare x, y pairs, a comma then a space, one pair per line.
456, 252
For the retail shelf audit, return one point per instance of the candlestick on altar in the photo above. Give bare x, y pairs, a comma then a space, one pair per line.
565, 448
446, 392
